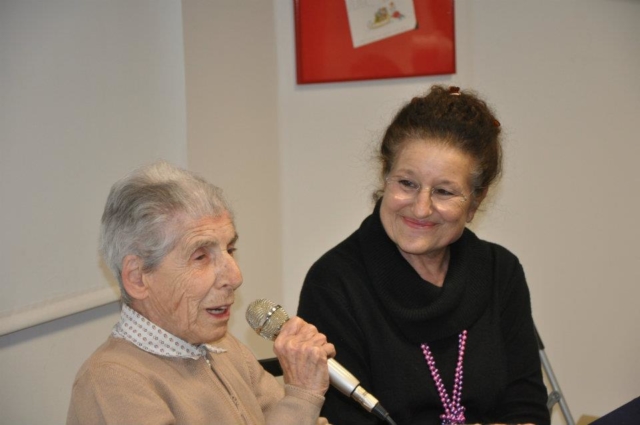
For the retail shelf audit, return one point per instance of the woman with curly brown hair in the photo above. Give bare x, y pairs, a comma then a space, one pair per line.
433, 320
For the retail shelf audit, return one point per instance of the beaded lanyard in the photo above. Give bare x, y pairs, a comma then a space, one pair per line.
453, 410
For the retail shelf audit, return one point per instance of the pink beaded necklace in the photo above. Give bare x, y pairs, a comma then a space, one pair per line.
453, 410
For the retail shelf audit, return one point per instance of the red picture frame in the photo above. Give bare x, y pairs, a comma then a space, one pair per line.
325, 52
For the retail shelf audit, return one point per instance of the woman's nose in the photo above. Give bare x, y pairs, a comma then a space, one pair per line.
423, 204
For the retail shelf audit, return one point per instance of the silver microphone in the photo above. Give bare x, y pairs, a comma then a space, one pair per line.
266, 318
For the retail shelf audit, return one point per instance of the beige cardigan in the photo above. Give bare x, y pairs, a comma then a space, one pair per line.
122, 384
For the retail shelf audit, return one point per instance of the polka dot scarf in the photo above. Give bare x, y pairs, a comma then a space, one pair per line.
138, 330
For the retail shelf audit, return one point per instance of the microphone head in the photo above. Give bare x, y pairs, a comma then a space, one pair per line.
266, 318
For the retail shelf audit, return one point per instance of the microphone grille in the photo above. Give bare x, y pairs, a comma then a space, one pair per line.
266, 318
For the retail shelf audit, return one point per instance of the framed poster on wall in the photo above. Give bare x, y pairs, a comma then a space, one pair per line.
348, 40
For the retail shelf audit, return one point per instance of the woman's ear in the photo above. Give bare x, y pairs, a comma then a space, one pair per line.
132, 277
475, 203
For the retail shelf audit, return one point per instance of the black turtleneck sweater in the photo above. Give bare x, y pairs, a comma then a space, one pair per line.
377, 311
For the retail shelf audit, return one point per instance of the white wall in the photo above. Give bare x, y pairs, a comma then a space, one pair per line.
563, 78
88, 90
231, 81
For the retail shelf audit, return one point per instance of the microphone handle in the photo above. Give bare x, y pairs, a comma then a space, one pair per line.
348, 385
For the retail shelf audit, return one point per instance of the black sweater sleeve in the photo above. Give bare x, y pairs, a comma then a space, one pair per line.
326, 306
524, 398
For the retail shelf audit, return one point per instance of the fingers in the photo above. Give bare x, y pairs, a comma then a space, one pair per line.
297, 326
303, 353
296, 333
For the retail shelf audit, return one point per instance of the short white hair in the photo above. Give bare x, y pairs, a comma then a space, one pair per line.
144, 210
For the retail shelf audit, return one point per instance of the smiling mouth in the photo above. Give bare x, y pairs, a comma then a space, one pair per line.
417, 223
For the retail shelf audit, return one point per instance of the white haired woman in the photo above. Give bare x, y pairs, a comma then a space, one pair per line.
169, 238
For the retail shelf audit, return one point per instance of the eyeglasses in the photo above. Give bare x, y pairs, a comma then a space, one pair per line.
405, 189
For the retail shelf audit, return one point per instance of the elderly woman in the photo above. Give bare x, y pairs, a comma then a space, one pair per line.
170, 239
433, 320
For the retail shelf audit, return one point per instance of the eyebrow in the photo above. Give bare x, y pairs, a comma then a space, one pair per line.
207, 243
407, 173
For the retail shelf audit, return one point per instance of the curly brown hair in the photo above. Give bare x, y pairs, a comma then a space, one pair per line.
455, 118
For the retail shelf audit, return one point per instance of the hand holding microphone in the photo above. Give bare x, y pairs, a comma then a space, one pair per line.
303, 353
267, 319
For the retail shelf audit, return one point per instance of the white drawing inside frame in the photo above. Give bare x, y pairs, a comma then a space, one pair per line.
374, 20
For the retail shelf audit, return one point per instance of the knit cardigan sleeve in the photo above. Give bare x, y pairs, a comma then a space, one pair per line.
111, 394
293, 406
121, 384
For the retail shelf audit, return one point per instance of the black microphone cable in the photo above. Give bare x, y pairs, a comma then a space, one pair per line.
380, 412
390, 421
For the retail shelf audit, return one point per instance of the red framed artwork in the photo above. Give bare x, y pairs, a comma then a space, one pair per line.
347, 40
